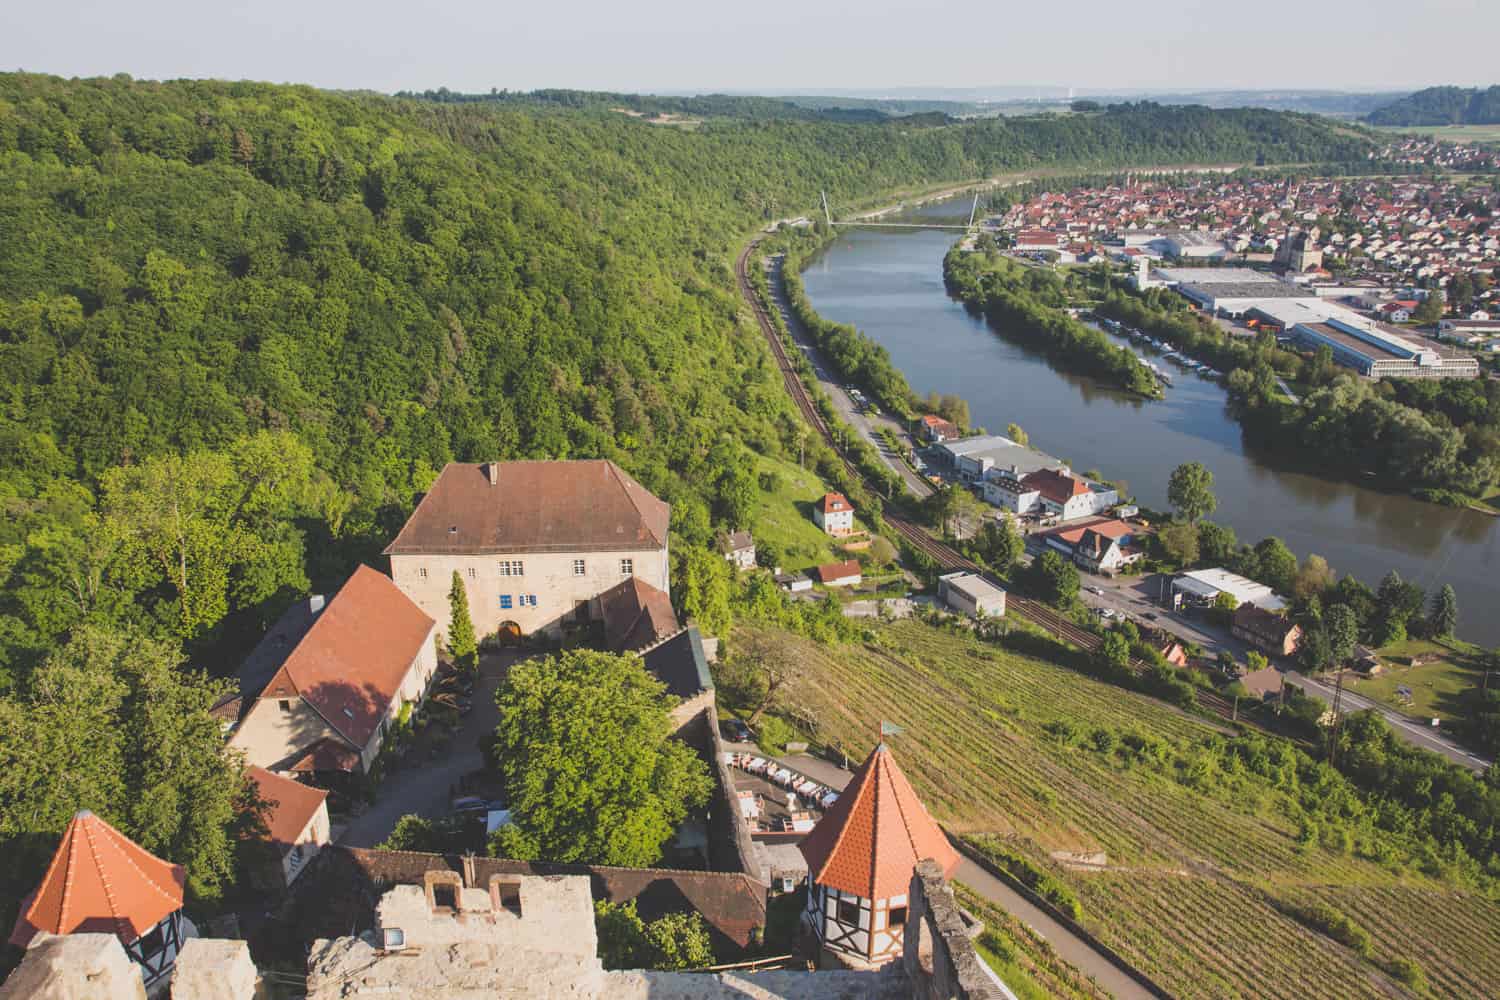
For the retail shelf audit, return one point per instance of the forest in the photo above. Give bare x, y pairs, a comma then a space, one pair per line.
1442, 106
242, 326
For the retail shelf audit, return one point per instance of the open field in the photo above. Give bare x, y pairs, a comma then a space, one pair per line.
1197, 854
1437, 689
1449, 133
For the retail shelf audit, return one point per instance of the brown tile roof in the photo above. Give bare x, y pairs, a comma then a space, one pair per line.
1261, 622
829, 572
291, 805
870, 841
585, 506
833, 503
636, 614
737, 541
326, 755
100, 882
353, 659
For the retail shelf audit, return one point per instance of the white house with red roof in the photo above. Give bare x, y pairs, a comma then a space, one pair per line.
336, 691
834, 514
860, 860
1055, 492
102, 882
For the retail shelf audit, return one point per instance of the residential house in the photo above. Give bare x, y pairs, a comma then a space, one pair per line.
333, 694
1264, 684
1270, 632
937, 430
971, 594
739, 548
635, 615
535, 543
860, 858
839, 574
1107, 547
101, 881
834, 514
297, 826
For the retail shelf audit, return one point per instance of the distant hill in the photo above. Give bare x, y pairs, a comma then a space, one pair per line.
1442, 106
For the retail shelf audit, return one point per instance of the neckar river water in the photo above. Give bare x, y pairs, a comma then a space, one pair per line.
889, 283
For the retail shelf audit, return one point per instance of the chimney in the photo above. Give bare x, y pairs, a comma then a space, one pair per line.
492, 472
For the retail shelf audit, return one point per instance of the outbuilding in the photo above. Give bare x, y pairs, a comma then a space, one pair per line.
971, 594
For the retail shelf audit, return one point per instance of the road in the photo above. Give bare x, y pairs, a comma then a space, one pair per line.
865, 425
1133, 597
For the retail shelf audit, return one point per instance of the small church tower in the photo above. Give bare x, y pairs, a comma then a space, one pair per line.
860, 859
102, 882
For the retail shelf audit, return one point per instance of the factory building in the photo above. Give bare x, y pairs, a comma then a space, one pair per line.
1376, 351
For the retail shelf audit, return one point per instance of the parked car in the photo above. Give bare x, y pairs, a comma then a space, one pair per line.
736, 731
1095, 590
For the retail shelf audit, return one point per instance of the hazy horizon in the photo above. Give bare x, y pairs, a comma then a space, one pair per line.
672, 46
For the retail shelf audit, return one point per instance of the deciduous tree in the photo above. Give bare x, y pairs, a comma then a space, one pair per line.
590, 770
1191, 491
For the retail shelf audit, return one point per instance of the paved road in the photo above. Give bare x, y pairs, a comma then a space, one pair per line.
1134, 596
1073, 949
423, 788
865, 425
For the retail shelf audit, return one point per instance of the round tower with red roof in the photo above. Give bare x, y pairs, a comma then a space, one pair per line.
102, 882
860, 861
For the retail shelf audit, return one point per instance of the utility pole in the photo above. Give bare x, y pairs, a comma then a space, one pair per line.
1338, 718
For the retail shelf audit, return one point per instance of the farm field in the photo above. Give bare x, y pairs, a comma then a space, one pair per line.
1437, 689
1197, 855
1449, 133
1022, 958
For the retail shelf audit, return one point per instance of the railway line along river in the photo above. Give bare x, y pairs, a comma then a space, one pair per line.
889, 284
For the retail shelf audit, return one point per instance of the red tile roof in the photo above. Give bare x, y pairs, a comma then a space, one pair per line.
291, 805
1056, 486
352, 661
100, 882
636, 614
833, 503
829, 572
870, 841
585, 506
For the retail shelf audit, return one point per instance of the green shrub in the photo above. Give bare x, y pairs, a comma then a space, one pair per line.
1408, 972
774, 735
1334, 924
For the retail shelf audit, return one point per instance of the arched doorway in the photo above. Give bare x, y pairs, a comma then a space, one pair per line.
509, 633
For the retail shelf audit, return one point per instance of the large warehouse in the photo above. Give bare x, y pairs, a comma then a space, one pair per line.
1377, 351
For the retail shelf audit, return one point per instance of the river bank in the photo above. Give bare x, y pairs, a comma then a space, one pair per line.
889, 285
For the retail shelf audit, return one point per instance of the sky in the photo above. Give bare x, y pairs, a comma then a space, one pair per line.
767, 46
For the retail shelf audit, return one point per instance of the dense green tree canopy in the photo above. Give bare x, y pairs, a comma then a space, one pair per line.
590, 771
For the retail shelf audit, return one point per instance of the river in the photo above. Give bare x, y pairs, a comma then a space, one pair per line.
889, 284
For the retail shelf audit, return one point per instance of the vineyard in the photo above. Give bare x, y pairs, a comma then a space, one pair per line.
1022, 958
1198, 856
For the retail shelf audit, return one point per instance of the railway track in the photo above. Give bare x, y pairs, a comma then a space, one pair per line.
917, 536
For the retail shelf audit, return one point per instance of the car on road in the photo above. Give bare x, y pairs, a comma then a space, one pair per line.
736, 731
1095, 590
1150, 616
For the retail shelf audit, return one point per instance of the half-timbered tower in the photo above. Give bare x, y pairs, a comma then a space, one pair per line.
860, 859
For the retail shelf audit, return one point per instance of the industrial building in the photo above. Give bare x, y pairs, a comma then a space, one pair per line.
1377, 351
971, 594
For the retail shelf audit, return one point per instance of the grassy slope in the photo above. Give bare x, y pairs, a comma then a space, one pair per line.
783, 517
1191, 872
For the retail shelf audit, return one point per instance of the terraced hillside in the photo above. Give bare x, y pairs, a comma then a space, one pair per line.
1205, 859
